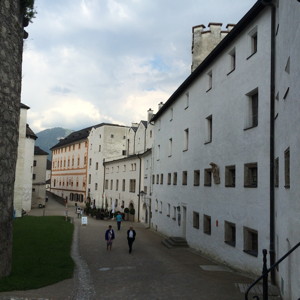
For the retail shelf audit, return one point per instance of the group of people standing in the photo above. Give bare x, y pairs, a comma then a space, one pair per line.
110, 234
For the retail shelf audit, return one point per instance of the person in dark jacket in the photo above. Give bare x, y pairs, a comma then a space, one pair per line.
130, 237
109, 237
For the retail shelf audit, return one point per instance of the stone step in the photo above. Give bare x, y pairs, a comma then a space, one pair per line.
175, 242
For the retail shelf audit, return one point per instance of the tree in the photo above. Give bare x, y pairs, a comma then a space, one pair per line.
11, 45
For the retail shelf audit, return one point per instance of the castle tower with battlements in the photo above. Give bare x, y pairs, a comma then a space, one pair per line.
204, 41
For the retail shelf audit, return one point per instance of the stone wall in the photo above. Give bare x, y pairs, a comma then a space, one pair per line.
11, 47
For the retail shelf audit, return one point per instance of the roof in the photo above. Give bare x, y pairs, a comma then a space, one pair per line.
30, 133
145, 123
24, 106
228, 39
49, 164
39, 151
80, 135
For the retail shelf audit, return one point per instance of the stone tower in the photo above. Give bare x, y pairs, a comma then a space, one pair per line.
204, 41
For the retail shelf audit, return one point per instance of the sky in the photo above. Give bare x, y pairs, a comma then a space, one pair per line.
91, 61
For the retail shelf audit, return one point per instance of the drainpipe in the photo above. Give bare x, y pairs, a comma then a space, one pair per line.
272, 136
140, 176
103, 185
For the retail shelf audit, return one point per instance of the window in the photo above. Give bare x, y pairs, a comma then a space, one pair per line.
196, 223
132, 186
157, 179
250, 175
90, 178
117, 184
171, 114
187, 100
250, 241
252, 118
276, 172
96, 186
209, 77
175, 178
34, 163
230, 233
207, 224
158, 152
169, 210
106, 184
174, 213
33, 176
230, 176
207, 177
112, 136
153, 179
160, 208
161, 178
253, 42
208, 129
169, 178
196, 178
170, 147
186, 140
232, 57
99, 148
111, 184
156, 205
96, 166
287, 168
123, 185
184, 178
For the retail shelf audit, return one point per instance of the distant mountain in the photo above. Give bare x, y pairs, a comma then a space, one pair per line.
50, 137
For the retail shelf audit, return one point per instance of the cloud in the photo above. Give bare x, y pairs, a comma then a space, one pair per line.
99, 61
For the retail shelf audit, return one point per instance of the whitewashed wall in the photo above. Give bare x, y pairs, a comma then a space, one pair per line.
227, 102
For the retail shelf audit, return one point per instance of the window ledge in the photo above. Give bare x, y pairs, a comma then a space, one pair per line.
251, 252
251, 55
250, 127
208, 89
196, 184
208, 142
207, 232
206, 184
232, 244
174, 219
287, 186
250, 186
230, 71
185, 150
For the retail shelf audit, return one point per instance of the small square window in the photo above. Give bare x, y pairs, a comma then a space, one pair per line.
175, 178
232, 57
250, 241
169, 178
207, 224
210, 78
196, 177
230, 176
207, 177
184, 178
209, 125
196, 223
250, 175
230, 233
287, 168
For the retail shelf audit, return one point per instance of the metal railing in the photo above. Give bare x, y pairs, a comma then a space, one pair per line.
265, 273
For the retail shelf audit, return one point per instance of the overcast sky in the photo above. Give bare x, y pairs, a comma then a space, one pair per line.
92, 61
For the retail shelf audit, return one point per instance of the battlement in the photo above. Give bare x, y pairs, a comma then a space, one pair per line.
204, 41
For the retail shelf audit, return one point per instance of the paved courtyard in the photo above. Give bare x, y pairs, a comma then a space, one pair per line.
151, 271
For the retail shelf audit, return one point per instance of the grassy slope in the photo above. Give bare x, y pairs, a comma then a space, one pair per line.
41, 253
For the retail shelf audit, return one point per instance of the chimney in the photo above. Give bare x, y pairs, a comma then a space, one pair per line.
160, 105
150, 114
230, 26
133, 124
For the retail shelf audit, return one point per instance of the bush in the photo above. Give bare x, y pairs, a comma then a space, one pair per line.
126, 210
132, 211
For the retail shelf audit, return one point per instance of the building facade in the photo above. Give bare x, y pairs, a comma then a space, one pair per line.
39, 177
24, 167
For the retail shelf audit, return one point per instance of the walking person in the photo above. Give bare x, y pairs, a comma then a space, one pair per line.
109, 237
130, 237
119, 220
